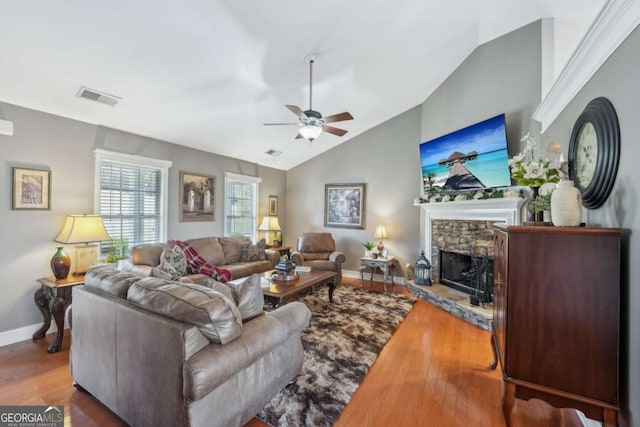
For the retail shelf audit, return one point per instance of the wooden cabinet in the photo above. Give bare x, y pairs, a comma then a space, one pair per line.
556, 317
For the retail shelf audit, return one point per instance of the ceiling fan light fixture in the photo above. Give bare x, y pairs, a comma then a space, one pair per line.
310, 132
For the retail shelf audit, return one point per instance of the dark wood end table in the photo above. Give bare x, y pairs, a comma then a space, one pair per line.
284, 250
52, 299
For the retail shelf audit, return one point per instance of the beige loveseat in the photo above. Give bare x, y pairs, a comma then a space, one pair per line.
153, 370
222, 252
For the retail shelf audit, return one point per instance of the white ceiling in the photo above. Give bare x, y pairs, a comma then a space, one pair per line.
207, 73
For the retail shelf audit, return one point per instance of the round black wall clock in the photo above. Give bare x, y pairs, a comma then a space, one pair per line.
594, 152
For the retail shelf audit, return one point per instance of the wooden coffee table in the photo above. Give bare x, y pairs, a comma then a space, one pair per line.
280, 292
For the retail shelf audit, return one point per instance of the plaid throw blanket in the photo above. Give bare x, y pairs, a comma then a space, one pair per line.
196, 264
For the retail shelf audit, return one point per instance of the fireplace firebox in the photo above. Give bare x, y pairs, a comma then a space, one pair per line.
471, 274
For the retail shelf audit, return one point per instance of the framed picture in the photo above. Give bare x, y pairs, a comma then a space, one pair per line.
344, 205
197, 197
273, 205
385, 253
31, 189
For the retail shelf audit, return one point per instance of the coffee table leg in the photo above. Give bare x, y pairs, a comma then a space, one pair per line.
332, 287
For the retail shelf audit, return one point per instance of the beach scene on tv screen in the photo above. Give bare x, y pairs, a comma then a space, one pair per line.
475, 157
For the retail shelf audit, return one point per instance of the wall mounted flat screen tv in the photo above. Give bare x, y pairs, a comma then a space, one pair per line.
472, 158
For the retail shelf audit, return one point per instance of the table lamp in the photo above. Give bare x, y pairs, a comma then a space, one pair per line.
269, 224
381, 233
87, 230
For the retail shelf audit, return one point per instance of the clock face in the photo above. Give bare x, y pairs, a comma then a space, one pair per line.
586, 154
594, 152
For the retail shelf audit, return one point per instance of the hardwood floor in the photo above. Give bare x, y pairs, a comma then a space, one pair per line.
432, 372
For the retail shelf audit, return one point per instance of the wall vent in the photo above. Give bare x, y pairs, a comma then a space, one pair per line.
95, 95
273, 152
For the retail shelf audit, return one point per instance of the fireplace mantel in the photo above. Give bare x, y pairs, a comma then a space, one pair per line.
506, 210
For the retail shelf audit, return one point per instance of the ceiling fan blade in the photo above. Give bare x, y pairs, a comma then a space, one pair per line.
298, 136
295, 110
338, 117
280, 124
335, 131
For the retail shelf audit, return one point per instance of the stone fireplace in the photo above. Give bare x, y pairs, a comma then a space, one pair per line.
465, 227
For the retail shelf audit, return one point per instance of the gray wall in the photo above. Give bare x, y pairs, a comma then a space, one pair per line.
617, 80
386, 158
66, 148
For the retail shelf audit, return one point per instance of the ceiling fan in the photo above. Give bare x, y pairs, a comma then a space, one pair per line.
311, 123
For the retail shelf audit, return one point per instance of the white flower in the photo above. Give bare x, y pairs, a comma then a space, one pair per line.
531, 144
446, 198
460, 198
516, 159
478, 196
534, 170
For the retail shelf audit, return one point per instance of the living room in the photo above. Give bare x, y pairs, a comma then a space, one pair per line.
503, 75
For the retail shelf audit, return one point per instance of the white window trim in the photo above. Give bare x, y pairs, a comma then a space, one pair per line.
250, 180
135, 160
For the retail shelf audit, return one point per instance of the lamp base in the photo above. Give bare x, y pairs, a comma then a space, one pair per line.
86, 256
380, 247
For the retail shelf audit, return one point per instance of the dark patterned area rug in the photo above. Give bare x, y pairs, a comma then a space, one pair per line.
340, 344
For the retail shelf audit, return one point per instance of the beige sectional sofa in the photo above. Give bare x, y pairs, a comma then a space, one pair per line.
155, 369
222, 252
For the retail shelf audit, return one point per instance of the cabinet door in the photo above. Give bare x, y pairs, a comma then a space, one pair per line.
563, 311
500, 245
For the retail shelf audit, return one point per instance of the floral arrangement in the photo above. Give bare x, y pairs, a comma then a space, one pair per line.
442, 196
527, 170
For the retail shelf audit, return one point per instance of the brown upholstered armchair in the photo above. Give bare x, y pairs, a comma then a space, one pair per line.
318, 251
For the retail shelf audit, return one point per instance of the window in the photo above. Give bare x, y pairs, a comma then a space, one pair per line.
240, 205
131, 196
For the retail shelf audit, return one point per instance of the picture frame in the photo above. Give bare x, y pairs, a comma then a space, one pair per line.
385, 253
197, 197
273, 205
344, 205
31, 189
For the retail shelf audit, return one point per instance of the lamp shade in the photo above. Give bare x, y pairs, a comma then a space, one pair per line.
381, 232
83, 229
310, 132
270, 223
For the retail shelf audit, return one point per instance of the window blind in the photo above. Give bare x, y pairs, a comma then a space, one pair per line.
130, 202
240, 206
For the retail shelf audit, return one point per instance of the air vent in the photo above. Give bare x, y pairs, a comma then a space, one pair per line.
95, 95
273, 152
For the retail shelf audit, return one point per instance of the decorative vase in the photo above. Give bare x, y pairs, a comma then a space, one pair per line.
60, 264
566, 205
536, 216
368, 252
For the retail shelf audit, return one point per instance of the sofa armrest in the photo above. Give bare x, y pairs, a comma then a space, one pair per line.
139, 269
272, 256
297, 258
260, 336
338, 257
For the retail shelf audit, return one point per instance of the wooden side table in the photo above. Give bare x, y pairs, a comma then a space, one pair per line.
384, 264
52, 299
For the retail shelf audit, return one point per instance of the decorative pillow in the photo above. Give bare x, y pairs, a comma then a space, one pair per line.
174, 256
252, 252
215, 315
248, 296
164, 271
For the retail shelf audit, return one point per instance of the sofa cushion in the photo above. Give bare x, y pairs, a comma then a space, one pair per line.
173, 257
110, 280
251, 252
215, 315
232, 247
210, 249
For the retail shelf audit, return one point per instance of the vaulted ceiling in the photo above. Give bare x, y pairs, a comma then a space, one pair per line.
207, 74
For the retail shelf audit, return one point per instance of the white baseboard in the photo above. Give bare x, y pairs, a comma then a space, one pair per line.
22, 334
